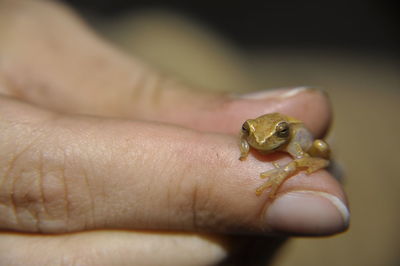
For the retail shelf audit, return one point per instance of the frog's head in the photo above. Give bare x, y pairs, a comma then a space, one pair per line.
268, 132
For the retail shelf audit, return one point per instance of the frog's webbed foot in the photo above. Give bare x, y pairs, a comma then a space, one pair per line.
274, 181
275, 178
311, 163
272, 172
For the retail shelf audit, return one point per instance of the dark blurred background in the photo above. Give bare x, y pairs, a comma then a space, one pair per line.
369, 25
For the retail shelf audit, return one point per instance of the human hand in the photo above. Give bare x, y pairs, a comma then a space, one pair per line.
103, 159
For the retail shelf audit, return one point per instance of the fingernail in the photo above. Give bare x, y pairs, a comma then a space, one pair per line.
308, 213
282, 93
298, 90
257, 95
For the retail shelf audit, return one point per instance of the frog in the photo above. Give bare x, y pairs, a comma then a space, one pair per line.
276, 132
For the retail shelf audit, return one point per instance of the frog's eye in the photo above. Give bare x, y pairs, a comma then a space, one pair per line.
245, 128
283, 130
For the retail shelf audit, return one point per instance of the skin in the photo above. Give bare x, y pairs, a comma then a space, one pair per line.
277, 132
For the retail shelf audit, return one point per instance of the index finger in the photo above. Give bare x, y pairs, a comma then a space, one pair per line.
70, 173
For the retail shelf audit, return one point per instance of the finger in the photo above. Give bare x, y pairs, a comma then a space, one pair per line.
112, 248
88, 76
310, 105
137, 248
71, 173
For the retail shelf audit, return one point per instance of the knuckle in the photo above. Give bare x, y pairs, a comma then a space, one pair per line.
43, 186
36, 192
24, 192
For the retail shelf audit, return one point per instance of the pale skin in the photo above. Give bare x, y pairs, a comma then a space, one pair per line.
277, 132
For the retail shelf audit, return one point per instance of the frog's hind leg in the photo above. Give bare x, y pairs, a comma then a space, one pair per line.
278, 175
272, 172
312, 164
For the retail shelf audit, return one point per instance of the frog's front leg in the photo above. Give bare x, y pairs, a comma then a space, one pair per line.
244, 148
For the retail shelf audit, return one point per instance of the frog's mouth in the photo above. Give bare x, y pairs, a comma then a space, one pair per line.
268, 145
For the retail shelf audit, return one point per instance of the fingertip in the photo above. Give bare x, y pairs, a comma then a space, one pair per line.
312, 205
225, 114
308, 213
310, 105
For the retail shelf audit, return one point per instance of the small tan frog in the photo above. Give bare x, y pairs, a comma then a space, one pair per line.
276, 132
